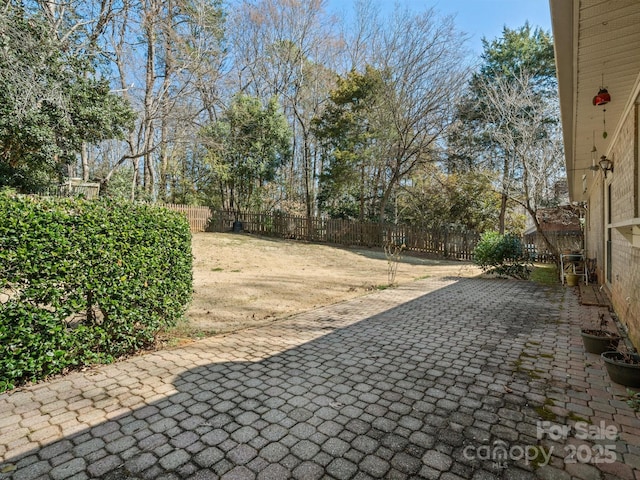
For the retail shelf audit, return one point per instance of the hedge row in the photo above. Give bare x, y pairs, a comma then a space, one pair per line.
83, 282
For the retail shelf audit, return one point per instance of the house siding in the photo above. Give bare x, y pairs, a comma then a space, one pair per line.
624, 287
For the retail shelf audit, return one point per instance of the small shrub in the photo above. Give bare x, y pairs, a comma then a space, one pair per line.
633, 400
502, 254
393, 252
86, 281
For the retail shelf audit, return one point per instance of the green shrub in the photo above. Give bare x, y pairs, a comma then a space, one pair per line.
86, 281
502, 254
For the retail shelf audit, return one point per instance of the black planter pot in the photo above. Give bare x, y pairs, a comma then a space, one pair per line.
627, 374
594, 343
237, 227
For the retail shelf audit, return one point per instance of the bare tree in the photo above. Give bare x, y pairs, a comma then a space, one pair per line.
426, 71
361, 36
170, 73
284, 49
526, 127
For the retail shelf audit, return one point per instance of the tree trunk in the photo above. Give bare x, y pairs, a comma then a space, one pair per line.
84, 155
134, 181
527, 204
166, 83
164, 163
505, 195
385, 200
552, 248
151, 16
362, 186
503, 213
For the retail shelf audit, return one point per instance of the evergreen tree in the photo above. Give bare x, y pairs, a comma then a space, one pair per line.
245, 148
51, 101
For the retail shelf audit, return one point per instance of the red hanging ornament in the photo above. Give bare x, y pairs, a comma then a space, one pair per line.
602, 98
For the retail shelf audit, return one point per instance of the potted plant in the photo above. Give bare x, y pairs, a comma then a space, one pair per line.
573, 279
599, 340
623, 367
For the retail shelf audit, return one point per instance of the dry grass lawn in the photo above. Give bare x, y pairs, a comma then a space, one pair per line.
242, 280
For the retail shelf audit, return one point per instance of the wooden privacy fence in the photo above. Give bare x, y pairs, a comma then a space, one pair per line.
73, 187
198, 217
451, 243
562, 240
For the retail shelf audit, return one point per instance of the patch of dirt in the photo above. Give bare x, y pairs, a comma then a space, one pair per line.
242, 280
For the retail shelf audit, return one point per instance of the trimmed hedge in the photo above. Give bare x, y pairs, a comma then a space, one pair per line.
83, 282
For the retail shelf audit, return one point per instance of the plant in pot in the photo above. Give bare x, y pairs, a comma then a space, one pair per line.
623, 367
599, 340
573, 279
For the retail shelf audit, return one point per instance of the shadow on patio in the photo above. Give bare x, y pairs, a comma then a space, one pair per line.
396, 384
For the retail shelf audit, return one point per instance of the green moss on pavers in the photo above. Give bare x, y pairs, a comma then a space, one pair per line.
538, 454
577, 418
544, 413
518, 365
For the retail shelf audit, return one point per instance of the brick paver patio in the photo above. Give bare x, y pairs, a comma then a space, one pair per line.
441, 379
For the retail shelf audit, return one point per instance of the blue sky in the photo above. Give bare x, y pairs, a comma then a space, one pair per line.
478, 18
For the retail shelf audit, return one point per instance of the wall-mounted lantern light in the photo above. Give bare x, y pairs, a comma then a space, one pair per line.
606, 165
